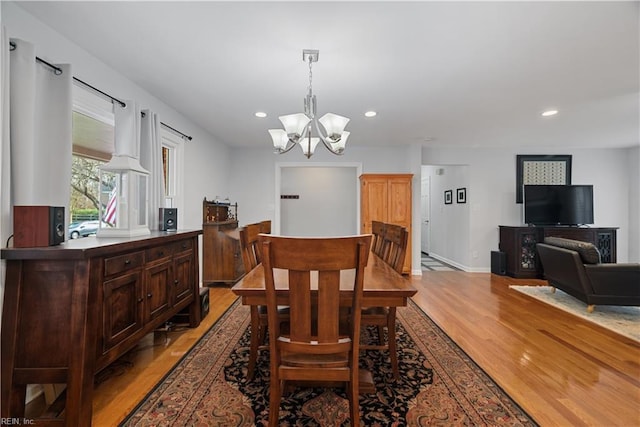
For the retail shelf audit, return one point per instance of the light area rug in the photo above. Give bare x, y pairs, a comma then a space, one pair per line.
438, 385
620, 319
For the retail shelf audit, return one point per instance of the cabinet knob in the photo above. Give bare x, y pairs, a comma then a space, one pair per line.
127, 261
175, 282
140, 299
184, 246
149, 295
161, 253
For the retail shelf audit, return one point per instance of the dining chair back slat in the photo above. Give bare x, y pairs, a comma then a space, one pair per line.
251, 255
396, 238
265, 226
377, 229
313, 347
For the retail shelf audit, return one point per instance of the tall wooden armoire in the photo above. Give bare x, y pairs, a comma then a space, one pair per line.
387, 198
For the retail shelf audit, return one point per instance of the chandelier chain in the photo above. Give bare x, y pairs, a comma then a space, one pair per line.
310, 75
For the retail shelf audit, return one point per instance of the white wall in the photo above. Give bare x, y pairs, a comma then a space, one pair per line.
252, 176
633, 162
491, 192
252, 180
327, 203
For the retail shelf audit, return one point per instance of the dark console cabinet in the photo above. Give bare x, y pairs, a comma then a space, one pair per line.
519, 245
221, 258
71, 310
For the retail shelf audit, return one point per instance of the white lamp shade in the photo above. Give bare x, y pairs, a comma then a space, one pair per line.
334, 125
308, 145
338, 147
280, 139
294, 124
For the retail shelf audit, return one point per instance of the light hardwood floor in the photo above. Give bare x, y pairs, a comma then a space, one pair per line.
562, 370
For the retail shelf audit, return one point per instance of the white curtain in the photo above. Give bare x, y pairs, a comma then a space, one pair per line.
127, 129
151, 160
6, 221
35, 122
41, 105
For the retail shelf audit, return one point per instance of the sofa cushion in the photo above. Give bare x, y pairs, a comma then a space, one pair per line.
589, 254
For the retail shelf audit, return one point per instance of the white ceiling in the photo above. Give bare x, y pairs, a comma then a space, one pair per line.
463, 73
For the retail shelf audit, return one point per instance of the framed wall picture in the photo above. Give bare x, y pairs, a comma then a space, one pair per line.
541, 169
461, 195
448, 197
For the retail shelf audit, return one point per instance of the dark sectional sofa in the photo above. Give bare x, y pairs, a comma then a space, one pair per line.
574, 267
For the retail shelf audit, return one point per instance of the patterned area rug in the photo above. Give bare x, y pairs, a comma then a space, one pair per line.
620, 319
439, 385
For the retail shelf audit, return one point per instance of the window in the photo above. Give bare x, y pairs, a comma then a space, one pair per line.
172, 161
93, 144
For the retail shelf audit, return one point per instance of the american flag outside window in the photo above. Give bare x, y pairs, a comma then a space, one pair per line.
110, 212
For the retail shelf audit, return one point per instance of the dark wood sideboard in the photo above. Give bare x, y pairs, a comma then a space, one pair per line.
71, 310
519, 245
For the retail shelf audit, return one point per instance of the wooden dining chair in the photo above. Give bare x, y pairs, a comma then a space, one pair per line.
396, 239
251, 257
313, 347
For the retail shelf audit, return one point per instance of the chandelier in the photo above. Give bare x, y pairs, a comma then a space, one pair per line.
298, 127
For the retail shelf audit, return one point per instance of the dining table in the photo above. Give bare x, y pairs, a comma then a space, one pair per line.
383, 287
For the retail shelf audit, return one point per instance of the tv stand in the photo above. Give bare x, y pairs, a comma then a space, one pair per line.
519, 245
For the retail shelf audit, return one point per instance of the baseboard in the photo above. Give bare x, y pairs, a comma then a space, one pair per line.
448, 261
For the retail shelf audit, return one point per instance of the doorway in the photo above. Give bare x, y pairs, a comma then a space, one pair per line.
425, 198
322, 199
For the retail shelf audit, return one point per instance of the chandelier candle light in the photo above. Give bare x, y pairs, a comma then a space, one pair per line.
297, 127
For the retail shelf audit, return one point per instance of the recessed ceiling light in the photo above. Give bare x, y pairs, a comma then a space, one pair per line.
261, 114
370, 114
549, 113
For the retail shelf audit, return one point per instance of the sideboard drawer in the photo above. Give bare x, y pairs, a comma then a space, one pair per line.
158, 252
118, 264
182, 246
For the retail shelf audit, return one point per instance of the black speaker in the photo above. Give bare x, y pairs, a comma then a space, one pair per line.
168, 219
183, 316
204, 302
499, 263
35, 226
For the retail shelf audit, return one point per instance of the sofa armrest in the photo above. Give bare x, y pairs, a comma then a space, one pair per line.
564, 269
614, 279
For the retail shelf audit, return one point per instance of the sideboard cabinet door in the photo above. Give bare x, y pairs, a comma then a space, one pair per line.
122, 308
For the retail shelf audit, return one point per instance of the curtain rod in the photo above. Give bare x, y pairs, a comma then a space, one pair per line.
122, 104
177, 131
142, 113
57, 71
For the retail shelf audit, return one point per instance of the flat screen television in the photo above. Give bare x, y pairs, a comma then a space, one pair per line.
558, 204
